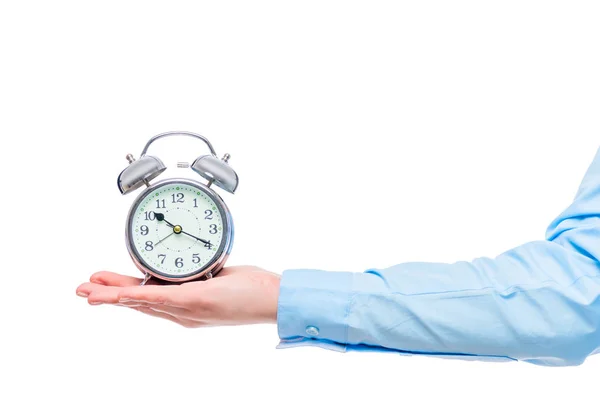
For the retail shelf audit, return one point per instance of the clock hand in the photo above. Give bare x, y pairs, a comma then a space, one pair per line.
161, 217
197, 238
156, 244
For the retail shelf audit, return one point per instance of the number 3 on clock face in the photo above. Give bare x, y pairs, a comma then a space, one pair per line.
178, 230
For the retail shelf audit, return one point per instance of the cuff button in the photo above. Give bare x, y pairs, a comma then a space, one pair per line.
312, 330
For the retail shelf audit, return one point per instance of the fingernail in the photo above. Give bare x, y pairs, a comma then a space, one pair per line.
95, 303
82, 294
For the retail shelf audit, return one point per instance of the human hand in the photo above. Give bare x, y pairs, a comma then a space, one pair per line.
236, 296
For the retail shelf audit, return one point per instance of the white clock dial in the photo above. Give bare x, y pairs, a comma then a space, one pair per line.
177, 229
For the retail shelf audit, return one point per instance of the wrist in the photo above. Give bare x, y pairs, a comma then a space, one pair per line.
270, 296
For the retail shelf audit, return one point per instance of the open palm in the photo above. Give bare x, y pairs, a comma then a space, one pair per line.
237, 295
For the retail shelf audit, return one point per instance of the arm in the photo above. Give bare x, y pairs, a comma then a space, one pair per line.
539, 302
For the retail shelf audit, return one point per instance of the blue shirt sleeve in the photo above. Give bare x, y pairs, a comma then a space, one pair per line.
538, 303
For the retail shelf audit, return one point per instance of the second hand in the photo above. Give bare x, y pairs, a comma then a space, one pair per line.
157, 243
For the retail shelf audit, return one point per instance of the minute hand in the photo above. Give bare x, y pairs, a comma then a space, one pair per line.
197, 238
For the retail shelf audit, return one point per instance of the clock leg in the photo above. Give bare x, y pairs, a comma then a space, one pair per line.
146, 279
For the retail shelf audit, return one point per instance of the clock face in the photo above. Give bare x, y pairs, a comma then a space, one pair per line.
177, 229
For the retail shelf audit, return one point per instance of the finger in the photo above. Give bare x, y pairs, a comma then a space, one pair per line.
174, 311
154, 294
98, 294
86, 288
81, 292
162, 315
113, 279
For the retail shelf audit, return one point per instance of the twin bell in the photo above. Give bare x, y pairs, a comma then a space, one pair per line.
209, 166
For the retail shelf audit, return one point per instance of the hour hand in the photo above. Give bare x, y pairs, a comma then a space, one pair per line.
161, 217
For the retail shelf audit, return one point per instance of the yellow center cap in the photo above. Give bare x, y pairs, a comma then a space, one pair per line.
177, 229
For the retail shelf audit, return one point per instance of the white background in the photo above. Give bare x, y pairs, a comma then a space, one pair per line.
447, 130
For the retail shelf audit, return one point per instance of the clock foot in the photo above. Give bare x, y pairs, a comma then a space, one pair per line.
146, 279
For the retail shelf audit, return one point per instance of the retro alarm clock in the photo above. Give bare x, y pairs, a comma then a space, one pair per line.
178, 229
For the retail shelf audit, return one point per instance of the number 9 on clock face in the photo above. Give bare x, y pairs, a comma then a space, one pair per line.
178, 230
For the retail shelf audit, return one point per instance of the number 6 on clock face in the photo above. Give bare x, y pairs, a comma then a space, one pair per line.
179, 229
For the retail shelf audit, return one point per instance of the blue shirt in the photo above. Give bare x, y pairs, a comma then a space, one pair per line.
538, 303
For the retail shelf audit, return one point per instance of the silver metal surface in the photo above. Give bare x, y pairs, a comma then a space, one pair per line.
178, 133
146, 279
217, 171
142, 171
139, 172
215, 264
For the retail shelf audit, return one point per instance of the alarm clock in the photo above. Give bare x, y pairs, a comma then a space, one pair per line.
178, 229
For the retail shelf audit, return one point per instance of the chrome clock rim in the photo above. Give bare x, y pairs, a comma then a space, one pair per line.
221, 254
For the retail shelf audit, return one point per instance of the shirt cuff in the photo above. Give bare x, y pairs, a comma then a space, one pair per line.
313, 308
